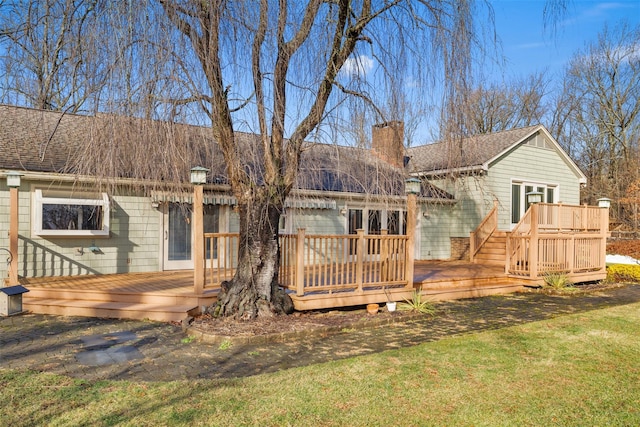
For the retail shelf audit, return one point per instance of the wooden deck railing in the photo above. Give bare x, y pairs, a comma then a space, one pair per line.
563, 239
482, 233
321, 263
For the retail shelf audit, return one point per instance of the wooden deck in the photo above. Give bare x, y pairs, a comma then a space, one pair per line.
170, 296
164, 296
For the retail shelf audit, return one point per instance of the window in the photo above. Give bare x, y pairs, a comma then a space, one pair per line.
83, 214
519, 203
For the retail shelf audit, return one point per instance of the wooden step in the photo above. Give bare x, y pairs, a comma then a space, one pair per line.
472, 291
111, 295
114, 310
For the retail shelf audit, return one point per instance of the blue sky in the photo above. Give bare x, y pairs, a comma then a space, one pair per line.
528, 47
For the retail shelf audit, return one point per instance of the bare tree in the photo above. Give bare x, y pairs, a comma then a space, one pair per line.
499, 107
602, 111
281, 63
49, 57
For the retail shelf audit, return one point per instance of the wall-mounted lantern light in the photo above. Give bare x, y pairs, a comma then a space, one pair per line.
199, 175
13, 179
412, 186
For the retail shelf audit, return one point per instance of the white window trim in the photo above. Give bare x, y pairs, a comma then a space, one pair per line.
90, 200
527, 182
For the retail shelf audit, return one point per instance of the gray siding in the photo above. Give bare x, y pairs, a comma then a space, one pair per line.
133, 244
475, 195
536, 164
435, 231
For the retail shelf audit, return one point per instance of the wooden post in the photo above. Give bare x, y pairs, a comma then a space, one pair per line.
384, 256
198, 239
412, 201
533, 243
13, 236
604, 232
507, 264
472, 245
299, 276
360, 251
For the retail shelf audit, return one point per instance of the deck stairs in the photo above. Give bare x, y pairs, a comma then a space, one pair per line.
494, 250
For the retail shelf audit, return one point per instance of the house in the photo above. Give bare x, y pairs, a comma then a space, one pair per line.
500, 168
104, 195
71, 224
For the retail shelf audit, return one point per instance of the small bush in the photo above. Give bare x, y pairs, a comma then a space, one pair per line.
558, 281
418, 303
623, 273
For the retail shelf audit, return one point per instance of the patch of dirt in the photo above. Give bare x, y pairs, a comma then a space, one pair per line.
624, 247
580, 288
299, 321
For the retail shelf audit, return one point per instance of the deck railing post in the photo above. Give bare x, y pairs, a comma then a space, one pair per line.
384, 256
13, 236
533, 243
360, 251
198, 244
412, 201
604, 232
472, 245
507, 265
299, 276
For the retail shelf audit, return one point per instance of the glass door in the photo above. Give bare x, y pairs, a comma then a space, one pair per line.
178, 234
177, 237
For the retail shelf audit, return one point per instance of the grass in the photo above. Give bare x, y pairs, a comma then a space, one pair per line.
572, 370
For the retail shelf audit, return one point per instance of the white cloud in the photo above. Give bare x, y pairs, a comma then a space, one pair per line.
358, 66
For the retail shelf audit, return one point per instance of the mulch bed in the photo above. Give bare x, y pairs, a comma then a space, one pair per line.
297, 322
353, 317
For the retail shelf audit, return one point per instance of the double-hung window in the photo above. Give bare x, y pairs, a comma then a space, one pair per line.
59, 214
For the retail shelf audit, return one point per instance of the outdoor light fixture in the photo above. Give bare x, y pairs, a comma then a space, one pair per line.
604, 202
534, 197
343, 211
199, 175
13, 179
412, 186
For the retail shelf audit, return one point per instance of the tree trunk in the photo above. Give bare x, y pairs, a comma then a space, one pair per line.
254, 291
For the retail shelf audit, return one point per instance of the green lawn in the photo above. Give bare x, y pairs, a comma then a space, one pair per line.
582, 370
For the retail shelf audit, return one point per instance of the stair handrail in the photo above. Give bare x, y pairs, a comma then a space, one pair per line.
481, 234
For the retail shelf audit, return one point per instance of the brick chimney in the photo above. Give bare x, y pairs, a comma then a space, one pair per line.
387, 142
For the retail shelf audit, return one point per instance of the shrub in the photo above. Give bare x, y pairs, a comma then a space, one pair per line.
623, 273
418, 303
557, 281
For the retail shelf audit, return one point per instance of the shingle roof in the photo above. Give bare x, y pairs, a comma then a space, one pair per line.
468, 153
47, 141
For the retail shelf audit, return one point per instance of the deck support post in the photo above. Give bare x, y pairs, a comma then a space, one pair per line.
412, 201
198, 239
13, 236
